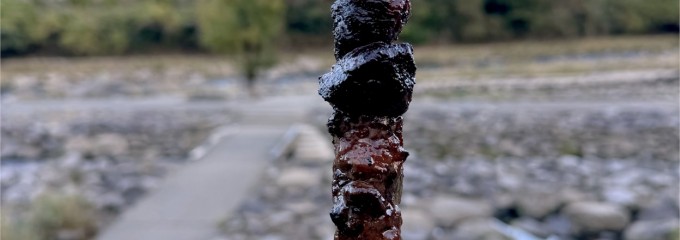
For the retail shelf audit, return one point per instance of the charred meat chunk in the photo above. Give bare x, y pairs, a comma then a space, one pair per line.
376, 79
358, 22
370, 87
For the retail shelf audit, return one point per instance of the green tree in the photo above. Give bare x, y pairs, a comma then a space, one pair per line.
96, 32
247, 29
17, 26
308, 22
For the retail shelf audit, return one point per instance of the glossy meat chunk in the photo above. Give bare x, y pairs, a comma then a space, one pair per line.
376, 80
367, 176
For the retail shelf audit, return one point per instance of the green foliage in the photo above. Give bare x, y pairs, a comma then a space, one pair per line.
85, 34
18, 230
17, 26
308, 17
248, 29
420, 28
161, 22
574, 18
84, 27
488, 20
50, 214
100, 27
675, 235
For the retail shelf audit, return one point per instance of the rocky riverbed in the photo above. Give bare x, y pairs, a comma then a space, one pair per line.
108, 157
481, 172
482, 138
568, 197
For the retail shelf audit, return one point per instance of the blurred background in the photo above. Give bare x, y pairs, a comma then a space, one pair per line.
177, 119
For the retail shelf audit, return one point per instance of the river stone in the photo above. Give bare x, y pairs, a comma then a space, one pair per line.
279, 220
478, 228
537, 203
318, 150
104, 144
111, 144
570, 195
596, 216
532, 226
298, 177
302, 208
70, 234
652, 230
417, 224
557, 224
311, 146
622, 195
662, 208
325, 230
78, 144
451, 210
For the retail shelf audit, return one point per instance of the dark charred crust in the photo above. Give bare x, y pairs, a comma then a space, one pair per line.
376, 79
358, 22
360, 209
369, 88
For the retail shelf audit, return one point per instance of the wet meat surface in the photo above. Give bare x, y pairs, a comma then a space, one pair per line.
367, 176
369, 87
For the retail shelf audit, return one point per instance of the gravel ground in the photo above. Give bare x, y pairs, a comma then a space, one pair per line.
454, 197
618, 179
573, 169
109, 157
568, 197
641, 130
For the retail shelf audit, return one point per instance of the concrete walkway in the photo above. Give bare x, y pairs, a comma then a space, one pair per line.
192, 201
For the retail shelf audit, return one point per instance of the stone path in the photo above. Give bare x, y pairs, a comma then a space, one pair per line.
192, 201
